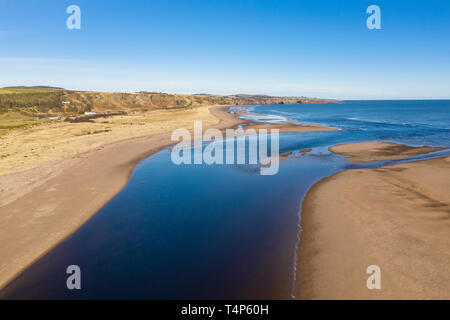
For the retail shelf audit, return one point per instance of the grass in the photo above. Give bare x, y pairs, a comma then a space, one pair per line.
31, 100
23, 90
30, 103
7, 126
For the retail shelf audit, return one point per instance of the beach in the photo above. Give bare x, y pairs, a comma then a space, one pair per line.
395, 217
69, 177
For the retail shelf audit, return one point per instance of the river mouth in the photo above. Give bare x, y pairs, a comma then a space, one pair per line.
193, 231
186, 232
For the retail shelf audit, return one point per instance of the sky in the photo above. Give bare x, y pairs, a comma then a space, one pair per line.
286, 48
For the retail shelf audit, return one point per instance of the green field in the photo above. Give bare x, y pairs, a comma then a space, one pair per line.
23, 90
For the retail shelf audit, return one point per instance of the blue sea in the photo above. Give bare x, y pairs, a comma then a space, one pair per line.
222, 231
415, 122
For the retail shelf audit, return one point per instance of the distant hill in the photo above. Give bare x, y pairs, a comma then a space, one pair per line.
35, 87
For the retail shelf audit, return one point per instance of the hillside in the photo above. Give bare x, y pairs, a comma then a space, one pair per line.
46, 101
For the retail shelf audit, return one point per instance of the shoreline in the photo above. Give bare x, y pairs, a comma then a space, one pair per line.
395, 217
96, 176
60, 205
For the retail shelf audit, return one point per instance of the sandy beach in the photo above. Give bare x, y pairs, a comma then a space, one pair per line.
395, 217
363, 152
58, 176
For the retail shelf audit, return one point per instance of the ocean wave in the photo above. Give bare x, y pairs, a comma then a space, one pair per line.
390, 122
269, 118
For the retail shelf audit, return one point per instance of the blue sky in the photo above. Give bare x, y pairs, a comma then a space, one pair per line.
312, 48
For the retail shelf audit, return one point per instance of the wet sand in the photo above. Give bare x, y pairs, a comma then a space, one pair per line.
396, 217
363, 152
37, 216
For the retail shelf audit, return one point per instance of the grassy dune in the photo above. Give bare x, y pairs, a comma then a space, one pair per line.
8, 125
25, 144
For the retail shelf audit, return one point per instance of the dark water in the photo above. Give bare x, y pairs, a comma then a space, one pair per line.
220, 231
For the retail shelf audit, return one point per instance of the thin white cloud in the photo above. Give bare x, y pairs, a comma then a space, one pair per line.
104, 76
